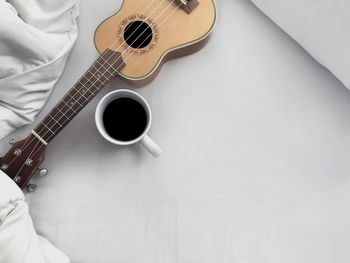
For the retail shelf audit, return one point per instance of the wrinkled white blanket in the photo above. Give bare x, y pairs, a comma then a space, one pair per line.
19, 242
319, 26
36, 37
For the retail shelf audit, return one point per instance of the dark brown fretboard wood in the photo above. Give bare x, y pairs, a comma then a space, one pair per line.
106, 67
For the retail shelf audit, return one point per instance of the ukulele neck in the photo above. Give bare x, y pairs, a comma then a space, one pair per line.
106, 67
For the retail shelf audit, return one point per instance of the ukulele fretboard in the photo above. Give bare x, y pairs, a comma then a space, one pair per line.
96, 77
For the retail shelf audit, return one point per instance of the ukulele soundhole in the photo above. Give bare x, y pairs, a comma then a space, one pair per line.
138, 34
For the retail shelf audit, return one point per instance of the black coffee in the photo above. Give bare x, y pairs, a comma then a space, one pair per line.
124, 119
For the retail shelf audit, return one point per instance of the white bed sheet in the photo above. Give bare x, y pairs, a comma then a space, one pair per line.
255, 165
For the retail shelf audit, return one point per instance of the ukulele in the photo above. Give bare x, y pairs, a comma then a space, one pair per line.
133, 44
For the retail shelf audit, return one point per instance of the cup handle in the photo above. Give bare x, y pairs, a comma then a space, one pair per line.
151, 146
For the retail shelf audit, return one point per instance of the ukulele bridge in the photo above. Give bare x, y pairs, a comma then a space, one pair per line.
188, 5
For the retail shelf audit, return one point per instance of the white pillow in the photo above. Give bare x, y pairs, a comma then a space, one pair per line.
19, 242
322, 27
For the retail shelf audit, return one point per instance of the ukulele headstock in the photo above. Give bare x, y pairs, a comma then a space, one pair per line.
23, 160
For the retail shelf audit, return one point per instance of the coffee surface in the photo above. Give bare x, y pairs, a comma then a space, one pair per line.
124, 119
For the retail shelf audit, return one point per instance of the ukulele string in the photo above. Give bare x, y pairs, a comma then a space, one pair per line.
108, 67
132, 54
25, 145
97, 71
92, 94
31, 155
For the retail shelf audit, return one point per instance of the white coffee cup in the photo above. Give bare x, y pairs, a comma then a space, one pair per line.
146, 141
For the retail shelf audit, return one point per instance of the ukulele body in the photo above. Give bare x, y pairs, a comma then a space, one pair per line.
147, 39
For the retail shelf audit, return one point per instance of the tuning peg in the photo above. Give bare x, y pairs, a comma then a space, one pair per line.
12, 141
42, 171
31, 187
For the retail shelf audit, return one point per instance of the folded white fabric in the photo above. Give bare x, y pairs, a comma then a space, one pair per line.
18, 241
320, 26
35, 39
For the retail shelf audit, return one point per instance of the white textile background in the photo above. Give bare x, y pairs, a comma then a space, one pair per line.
36, 37
255, 165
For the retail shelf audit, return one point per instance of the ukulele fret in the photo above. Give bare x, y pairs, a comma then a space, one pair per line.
107, 69
76, 100
70, 106
63, 114
48, 128
55, 120
81, 92
85, 89
93, 81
